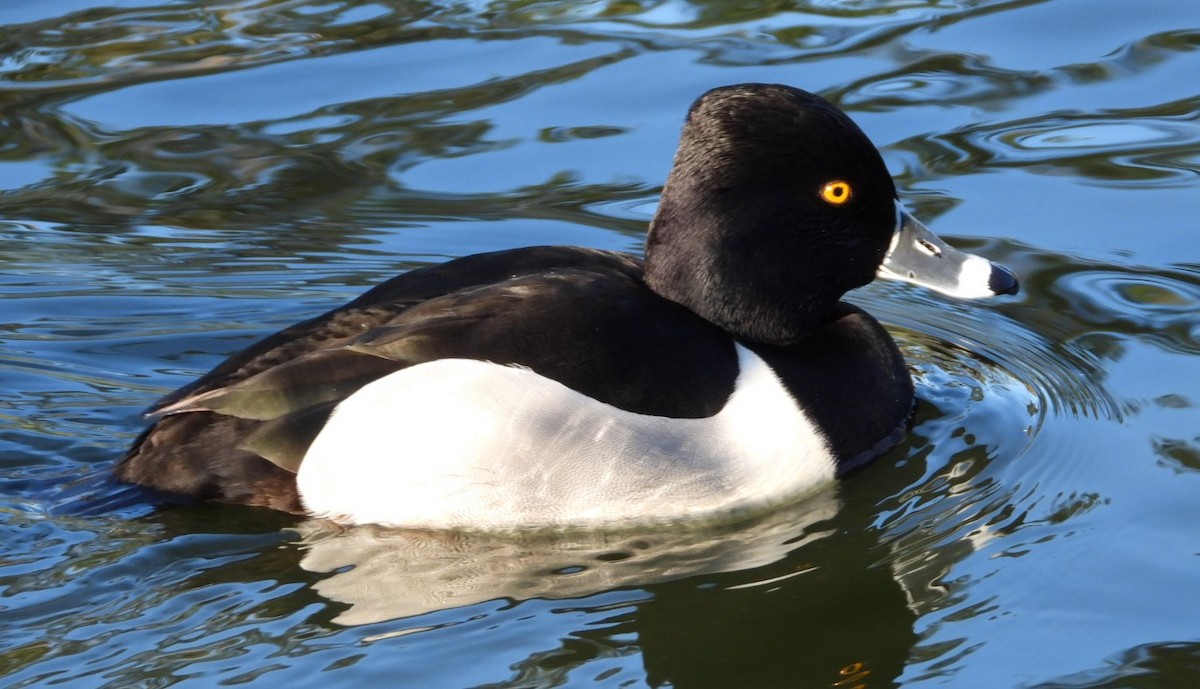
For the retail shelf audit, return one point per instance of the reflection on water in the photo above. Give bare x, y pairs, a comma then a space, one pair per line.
178, 178
389, 574
1152, 665
681, 599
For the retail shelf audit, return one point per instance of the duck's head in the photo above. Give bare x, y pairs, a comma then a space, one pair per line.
776, 206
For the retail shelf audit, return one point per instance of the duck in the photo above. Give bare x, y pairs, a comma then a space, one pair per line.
561, 387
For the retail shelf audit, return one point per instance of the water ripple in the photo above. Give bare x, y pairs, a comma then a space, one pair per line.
1002, 353
1161, 306
939, 78
1061, 335
1146, 147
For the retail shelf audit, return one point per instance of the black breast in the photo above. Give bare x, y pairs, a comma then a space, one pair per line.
850, 378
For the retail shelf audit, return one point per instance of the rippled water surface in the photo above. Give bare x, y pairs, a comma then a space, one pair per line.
179, 178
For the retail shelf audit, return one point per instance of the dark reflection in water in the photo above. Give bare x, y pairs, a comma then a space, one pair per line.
866, 631
1145, 667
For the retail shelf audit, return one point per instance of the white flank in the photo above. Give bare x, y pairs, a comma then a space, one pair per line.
466, 444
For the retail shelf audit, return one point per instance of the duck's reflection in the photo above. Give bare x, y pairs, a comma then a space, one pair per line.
385, 574
791, 598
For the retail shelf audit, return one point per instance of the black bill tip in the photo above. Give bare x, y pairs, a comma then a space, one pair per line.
1003, 281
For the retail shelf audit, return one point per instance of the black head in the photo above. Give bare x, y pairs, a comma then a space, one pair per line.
777, 205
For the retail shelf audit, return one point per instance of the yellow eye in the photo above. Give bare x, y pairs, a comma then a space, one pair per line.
836, 192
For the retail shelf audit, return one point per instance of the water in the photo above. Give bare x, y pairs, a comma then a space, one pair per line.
180, 178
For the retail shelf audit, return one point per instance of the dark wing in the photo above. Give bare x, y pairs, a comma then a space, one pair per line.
384, 302
579, 316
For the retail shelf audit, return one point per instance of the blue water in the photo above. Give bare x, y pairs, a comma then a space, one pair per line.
179, 178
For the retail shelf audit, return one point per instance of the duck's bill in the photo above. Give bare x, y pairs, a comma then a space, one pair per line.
921, 257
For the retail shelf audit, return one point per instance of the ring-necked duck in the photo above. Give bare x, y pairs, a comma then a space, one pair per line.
572, 387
